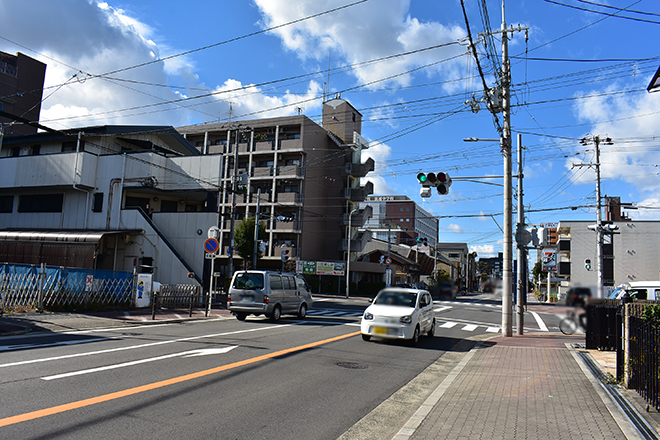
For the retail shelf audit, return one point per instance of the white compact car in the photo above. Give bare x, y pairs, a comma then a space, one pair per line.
399, 313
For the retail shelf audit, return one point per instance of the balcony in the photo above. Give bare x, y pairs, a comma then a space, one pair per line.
288, 226
360, 169
293, 252
264, 145
359, 194
290, 171
291, 144
262, 172
290, 197
357, 244
48, 170
359, 218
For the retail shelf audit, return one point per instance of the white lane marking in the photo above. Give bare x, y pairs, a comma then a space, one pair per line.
441, 309
132, 347
448, 324
53, 344
540, 322
470, 328
190, 353
493, 330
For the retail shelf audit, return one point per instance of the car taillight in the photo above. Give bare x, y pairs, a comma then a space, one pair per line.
266, 299
228, 298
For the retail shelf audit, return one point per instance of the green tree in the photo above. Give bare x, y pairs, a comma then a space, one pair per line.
244, 239
538, 270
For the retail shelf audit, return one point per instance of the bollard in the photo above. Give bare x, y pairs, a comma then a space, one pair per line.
153, 306
191, 304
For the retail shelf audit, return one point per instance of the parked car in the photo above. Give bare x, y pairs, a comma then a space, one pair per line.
399, 313
577, 296
649, 290
270, 293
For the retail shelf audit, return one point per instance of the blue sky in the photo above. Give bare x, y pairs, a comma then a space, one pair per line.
404, 64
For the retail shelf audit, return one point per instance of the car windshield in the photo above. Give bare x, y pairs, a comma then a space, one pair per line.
615, 293
396, 298
249, 281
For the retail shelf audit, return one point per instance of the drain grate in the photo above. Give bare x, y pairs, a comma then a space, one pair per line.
352, 365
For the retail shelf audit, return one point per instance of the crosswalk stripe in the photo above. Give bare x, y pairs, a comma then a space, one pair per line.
441, 309
470, 328
448, 324
493, 330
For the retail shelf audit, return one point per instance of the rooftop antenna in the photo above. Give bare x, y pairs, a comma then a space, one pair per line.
327, 84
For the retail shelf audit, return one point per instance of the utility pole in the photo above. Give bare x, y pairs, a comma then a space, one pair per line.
598, 227
348, 256
508, 208
256, 231
521, 257
234, 186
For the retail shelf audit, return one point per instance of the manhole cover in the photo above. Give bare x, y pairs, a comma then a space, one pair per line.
352, 365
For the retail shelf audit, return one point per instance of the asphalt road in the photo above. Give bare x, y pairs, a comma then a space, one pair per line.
297, 379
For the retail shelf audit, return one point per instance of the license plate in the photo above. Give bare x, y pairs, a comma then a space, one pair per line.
380, 330
247, 298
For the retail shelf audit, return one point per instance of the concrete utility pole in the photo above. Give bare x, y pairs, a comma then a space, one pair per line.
234, 186
256, 231
598, 227
348, 256
508, 208
521, 257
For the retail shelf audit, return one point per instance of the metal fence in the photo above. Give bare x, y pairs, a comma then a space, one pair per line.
29, 287
644, 359
180, 295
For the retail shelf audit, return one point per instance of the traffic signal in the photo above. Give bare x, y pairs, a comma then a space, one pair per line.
443, 184
587, 263
441, 181
285, 254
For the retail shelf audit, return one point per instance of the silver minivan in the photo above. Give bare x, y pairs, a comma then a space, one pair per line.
270, 293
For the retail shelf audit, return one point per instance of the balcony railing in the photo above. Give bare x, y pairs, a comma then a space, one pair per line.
264, 146
360, 169
290, 197
293, 171
291, 144
262, 171
359, 194
48, 170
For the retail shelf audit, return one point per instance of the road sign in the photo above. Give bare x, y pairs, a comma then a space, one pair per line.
211, 245
388, 261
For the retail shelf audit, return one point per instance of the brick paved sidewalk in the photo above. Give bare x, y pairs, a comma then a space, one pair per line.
522, 387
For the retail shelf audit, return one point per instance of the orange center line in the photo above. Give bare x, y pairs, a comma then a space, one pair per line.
163, 383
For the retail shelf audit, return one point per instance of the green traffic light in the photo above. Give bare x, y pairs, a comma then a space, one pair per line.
422, 178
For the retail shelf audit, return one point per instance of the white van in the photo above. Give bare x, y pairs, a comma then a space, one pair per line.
270, 293
649, 290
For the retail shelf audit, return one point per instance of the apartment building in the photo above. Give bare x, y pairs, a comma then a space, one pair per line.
308, 175
21, 90
146, 197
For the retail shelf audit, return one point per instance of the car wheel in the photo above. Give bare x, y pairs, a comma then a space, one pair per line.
275, 316
431, 331
302, 312
366, 337
241, 316
415, 338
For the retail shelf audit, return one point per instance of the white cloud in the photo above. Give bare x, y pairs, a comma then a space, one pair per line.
380, 153
90, 37
484, 251
645, 214
631, 122
454, 228
365, 32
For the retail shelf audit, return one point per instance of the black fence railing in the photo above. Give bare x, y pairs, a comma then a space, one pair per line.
644, 368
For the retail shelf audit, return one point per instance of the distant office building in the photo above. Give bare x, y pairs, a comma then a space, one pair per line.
403, 219
21, 90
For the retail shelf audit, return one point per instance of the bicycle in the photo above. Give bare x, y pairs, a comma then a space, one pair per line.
572, 322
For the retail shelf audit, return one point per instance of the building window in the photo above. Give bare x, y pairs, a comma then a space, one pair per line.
41, 203
36, 149
407, 220
401, 220
168, 205
97, 204
70, 146
401, 209
407, 209
6, 204
16, 151
454, 255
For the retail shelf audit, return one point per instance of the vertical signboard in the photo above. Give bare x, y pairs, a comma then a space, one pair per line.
143, 290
